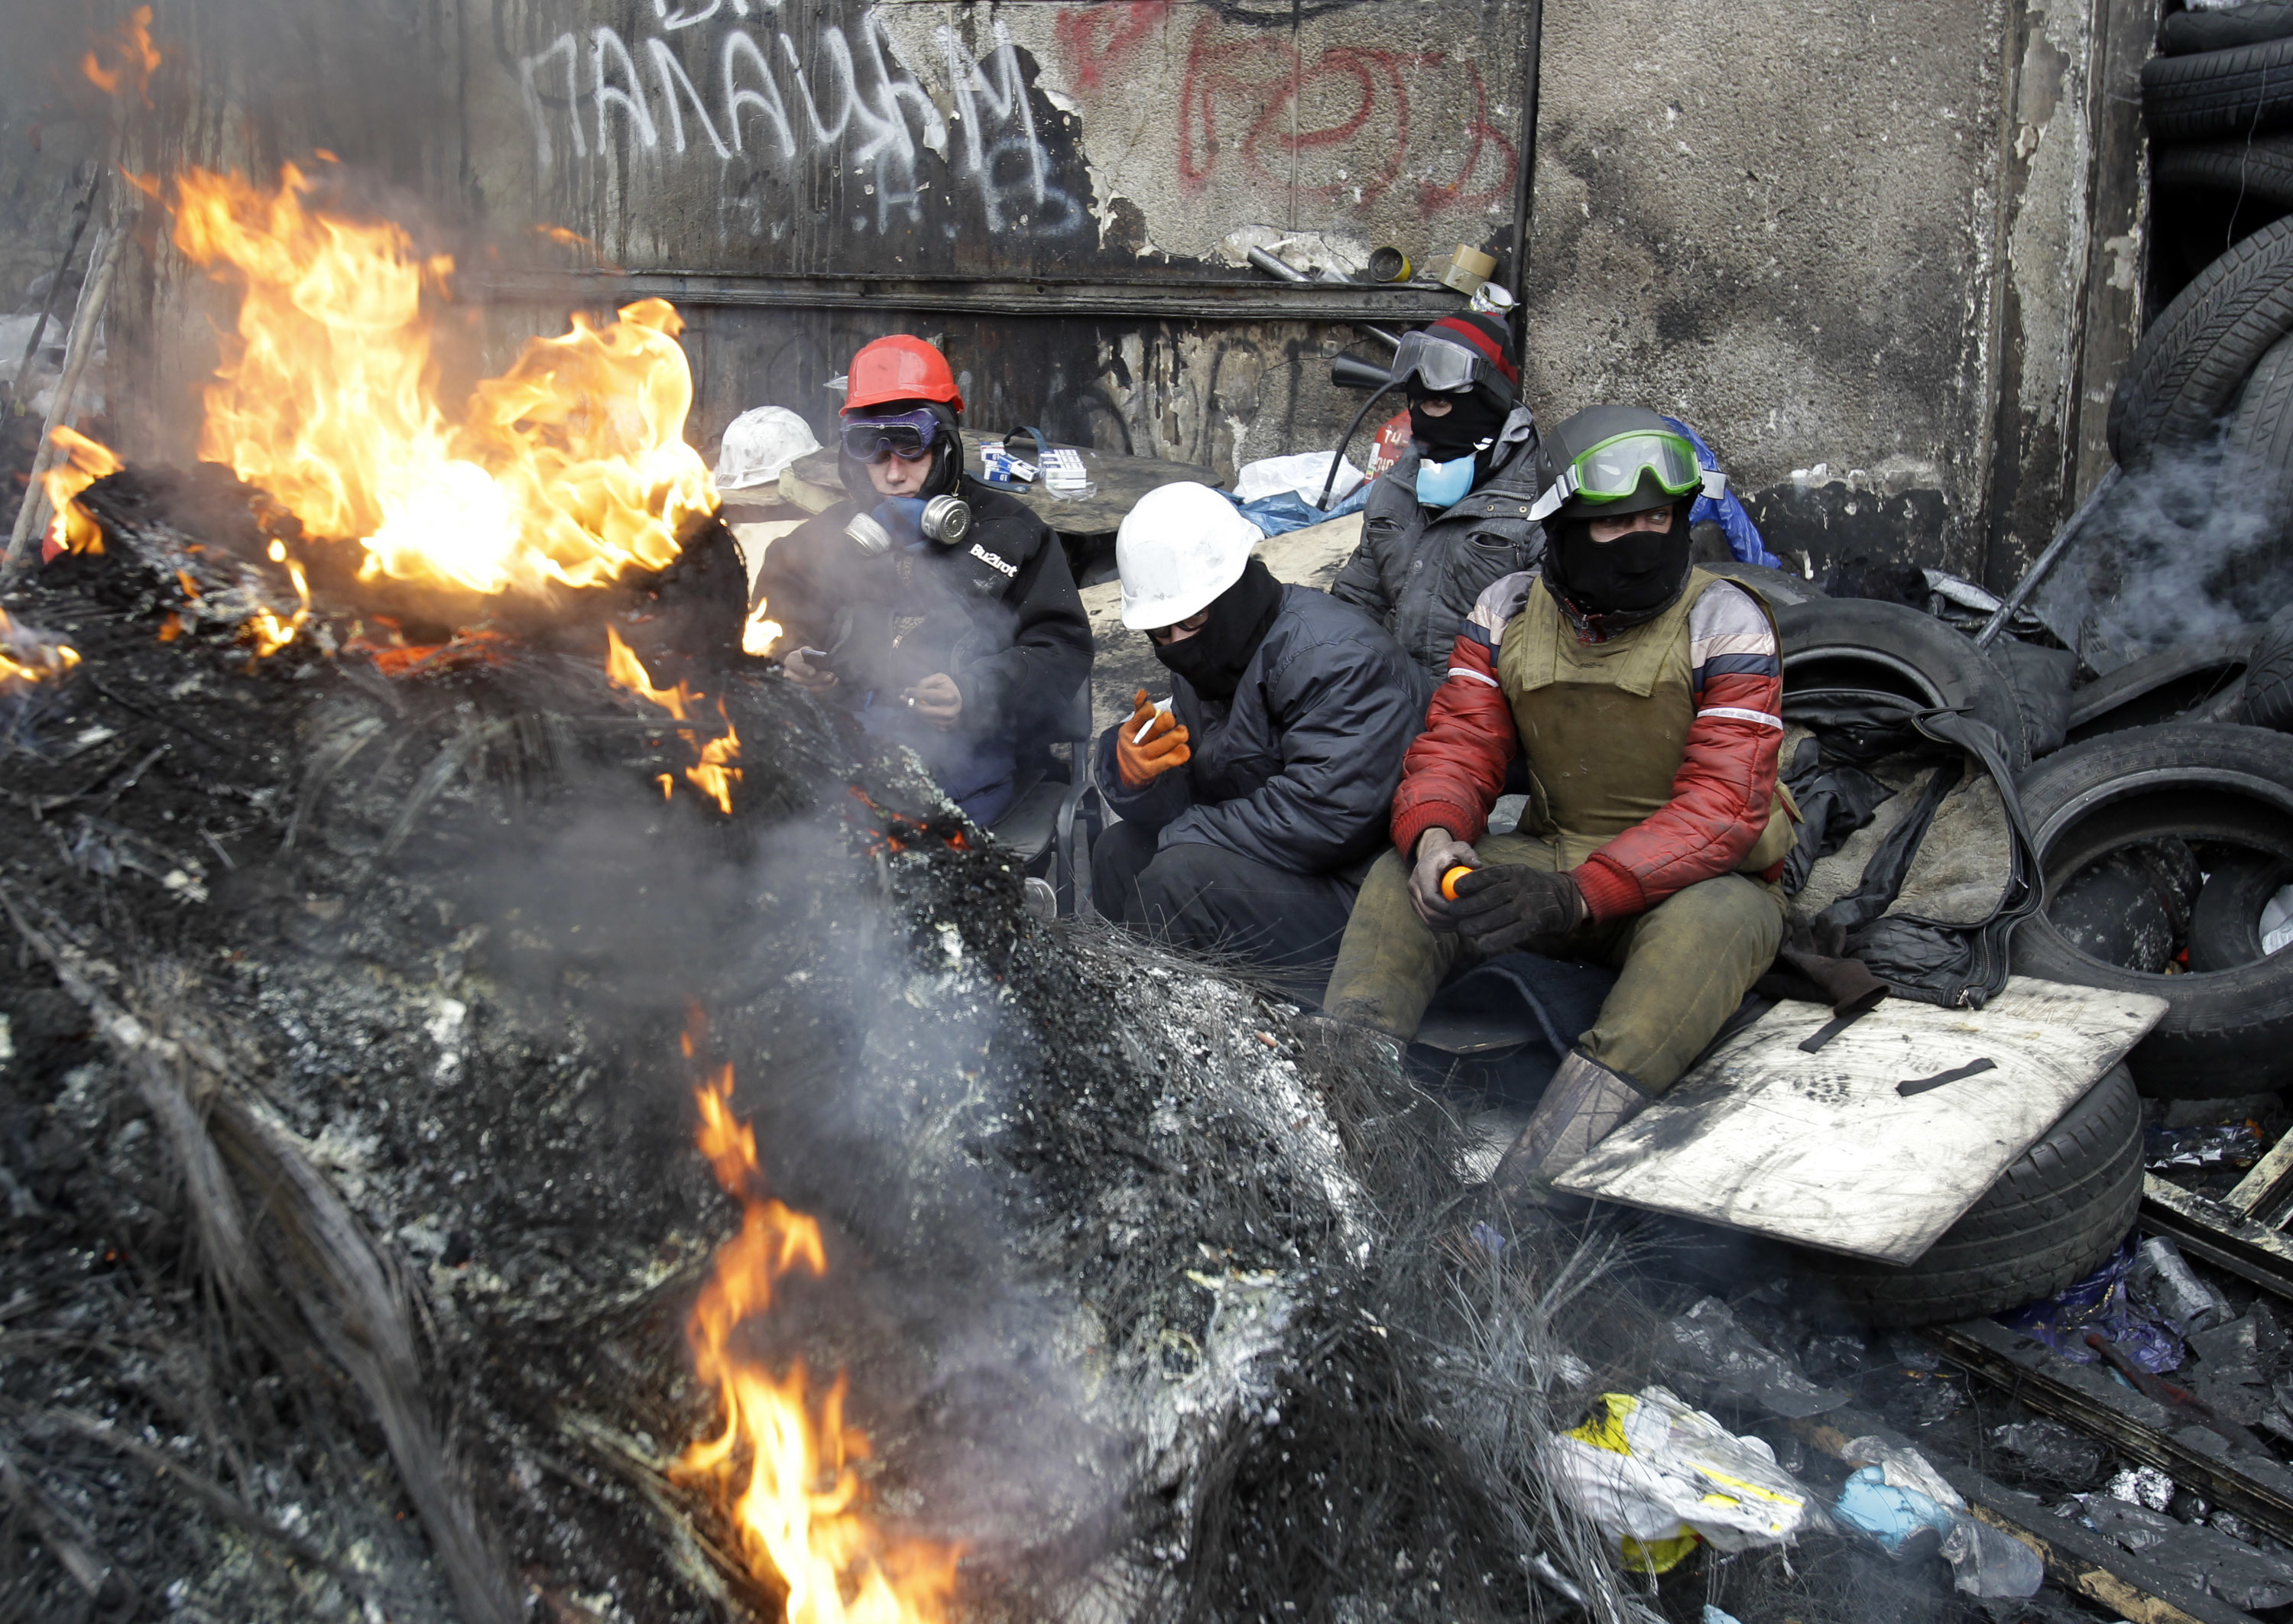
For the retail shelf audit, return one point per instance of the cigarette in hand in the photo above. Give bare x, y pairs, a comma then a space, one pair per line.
1161, 708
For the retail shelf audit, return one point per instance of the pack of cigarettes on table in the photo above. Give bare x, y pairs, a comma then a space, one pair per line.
998, 467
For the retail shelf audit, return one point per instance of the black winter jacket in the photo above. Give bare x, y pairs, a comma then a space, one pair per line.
1418, 573
1000, 614
1298, 773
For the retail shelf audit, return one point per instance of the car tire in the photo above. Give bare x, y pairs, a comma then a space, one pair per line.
2201, 681
2257, 172
2267, 698
2226, 1032
2056, 1212
2226, 923
2187, 33
2195, 357
1877, 647
2245, 89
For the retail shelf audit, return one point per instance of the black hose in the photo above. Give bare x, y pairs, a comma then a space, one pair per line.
1322, 504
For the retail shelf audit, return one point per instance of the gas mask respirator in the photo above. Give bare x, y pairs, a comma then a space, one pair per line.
942, 521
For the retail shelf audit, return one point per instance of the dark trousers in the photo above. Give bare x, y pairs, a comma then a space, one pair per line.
1208, 899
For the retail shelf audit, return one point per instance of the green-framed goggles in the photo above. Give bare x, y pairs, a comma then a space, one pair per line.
1613, 470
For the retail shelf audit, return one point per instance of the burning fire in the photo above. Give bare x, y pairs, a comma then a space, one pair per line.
569, 469
712, 775
25, 657
124, 58
787, 1477
73, 528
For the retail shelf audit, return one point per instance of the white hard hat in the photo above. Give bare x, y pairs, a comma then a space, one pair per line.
1179, 548
758, 446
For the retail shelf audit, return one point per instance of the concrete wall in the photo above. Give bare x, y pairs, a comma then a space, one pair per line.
1883, 255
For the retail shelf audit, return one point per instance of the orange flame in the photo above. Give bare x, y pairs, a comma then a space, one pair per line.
73, 528
266, 631
712, 775
124, 58
567, 470
26, 658
787, 1477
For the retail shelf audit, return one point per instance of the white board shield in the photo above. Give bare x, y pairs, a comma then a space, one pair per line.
1822, 1151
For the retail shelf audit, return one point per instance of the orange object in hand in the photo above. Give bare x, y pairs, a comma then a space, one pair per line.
1449, 880
1163, 748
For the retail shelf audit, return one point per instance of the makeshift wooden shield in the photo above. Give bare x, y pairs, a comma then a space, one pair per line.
1875, 1142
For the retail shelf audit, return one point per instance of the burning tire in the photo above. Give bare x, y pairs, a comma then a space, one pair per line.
2243, 90
2227, 790
1864, 644
2053, 1216
2196, 356
2201, 681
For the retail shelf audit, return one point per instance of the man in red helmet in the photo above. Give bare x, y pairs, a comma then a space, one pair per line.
936, 607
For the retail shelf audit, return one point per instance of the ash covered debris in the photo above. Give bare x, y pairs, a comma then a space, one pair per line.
352, 1212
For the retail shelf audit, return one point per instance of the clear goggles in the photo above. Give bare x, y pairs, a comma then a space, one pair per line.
908, 436
1613, 470
1439, 367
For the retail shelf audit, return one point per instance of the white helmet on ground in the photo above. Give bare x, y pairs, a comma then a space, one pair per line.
1177, 549
759, 444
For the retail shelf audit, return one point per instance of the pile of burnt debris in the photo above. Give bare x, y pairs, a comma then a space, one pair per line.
367, 954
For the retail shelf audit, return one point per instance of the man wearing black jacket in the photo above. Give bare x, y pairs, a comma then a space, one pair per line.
937, 608
1254, 805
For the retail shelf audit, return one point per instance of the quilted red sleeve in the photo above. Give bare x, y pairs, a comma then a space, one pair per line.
1457, 767
1721, 794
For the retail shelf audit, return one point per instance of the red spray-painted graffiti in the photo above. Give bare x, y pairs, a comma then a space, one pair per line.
1258, 81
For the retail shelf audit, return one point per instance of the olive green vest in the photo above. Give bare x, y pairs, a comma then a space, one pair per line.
1604, 725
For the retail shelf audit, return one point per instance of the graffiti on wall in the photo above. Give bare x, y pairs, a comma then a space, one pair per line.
1223, 101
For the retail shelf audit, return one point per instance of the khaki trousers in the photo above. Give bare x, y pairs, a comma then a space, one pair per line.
1686, 962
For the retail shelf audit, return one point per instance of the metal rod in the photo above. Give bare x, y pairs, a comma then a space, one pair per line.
1322, 502
48, 303
2046, 559
1282, 271
1524, 205
84, 321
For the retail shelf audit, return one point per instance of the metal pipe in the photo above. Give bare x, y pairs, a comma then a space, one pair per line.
1525, 195
2046, 559
1283, 271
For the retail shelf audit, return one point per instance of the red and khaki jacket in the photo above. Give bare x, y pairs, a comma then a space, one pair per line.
1651, 753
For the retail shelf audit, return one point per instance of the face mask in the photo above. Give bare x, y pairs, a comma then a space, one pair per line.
1472, 421
1213, 659
1638, 574
1444, 484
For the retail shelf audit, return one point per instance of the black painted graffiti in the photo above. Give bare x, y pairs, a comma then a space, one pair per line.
752, 102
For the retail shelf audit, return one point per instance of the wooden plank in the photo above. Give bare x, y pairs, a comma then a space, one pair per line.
2259, 1191
2076, 1557
2219, 1235
2258, 1490
1827, 1149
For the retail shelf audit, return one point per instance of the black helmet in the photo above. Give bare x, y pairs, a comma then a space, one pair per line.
1608, 461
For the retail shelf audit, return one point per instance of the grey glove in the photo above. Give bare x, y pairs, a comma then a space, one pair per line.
1513, 906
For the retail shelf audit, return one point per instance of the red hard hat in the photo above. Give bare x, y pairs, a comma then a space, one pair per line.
899, 369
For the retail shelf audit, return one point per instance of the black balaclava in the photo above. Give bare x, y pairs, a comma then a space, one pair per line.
1612, 585
1212, 660
1472, 418
947, 453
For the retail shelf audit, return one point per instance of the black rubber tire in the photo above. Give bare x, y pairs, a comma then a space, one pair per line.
2267, 698
2187, 33
2056, 1213
1777, 586
2225, 1032
2258, 172
1891, 648
2256, 467
2196, 356
2201, 681
2246, 90
2225, 924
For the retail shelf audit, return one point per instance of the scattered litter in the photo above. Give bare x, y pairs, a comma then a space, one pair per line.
2052, 1449
2142, 1486
2163, 1283
2208, 1147
1899, 1502
1659, 1476
2207, 1558
1300, 475
2101, 1303
1724, 1363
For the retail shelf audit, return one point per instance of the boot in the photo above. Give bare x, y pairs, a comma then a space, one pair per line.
1584, 1104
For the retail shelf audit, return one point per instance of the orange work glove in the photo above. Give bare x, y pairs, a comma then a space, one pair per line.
1164, 748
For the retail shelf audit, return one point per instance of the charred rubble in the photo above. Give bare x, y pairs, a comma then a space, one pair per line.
352, 1213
